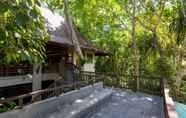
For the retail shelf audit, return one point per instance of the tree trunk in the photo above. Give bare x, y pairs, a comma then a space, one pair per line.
135, 50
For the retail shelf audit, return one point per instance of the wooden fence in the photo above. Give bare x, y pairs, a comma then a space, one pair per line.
86, 78
150, 86
82, 80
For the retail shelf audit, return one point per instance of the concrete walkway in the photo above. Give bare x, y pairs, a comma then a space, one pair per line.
93, 102
127, 104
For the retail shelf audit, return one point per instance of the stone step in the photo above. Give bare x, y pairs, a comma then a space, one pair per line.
84, 107
77, 100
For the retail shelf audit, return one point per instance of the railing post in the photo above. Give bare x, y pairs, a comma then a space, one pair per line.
77, 80
20, 102
74, 81
37, 80
103, 79
91, 78
94, 76
161, 86
118, 81
55, 89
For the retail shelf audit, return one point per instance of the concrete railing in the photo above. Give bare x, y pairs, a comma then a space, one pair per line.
169, 106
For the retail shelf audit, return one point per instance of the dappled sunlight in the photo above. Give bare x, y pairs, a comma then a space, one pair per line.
73, 112
121, 94
131, 105
124, 100
93, 101
115, 104
105, 58
134, 99
153, 117
79, 101
99, 114
147, 98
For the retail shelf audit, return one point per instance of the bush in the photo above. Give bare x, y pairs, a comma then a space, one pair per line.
7, 107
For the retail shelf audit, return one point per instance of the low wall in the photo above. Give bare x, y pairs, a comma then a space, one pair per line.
170, 110
43, 108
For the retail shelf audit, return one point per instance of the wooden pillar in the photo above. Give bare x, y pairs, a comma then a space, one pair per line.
61, 66
75, 58
94, 62
37, 80
37, 77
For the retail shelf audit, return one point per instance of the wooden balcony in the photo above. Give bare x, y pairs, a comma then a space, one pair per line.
24, 79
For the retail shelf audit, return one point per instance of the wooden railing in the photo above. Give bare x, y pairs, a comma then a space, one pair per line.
150, 86
87, 78
84, 78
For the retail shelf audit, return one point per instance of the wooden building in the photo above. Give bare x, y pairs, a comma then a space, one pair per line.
62, 59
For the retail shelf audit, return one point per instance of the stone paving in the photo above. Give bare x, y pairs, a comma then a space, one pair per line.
127, 104
94, 102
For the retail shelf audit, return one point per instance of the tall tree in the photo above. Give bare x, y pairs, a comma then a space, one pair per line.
142, 35
178, 27
22, 32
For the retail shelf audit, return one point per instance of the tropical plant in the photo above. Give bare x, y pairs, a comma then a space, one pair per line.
178, 27
7, 107
146, 38
22, 32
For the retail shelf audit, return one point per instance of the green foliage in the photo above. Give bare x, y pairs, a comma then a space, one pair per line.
7, 107
159, 43
164, 69
22, 32
178, 24
109, 24
183, 84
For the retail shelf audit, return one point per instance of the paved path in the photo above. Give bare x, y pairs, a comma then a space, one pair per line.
127, 104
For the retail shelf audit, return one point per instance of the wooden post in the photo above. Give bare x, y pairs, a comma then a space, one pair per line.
103, 80
20, 102
55, 90
36, 80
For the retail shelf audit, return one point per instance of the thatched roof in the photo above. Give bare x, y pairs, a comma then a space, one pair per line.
60, 34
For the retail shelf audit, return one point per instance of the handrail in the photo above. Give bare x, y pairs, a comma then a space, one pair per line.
44, 91
86, 78
33, 93
169, 107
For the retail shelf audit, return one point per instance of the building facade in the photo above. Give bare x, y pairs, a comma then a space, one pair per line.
61, 63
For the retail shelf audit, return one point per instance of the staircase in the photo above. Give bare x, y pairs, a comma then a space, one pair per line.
75, 104
83, 107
